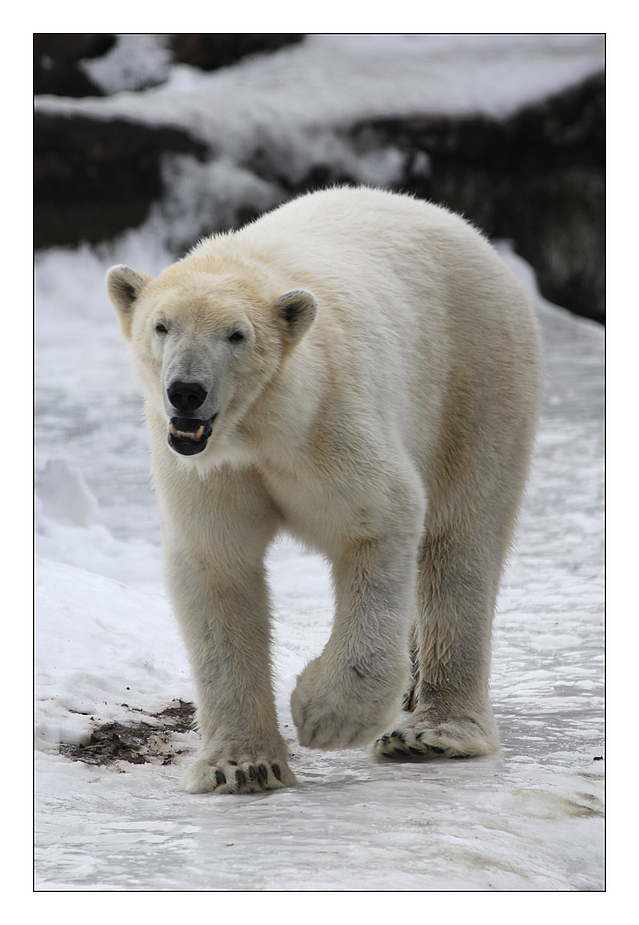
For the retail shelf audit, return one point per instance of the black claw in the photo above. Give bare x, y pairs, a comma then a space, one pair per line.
240, 776
262, 772
437, 749
385, 739
219, 778
386, 755
398, 735
276, 771
234, 763
252, 773
415, 751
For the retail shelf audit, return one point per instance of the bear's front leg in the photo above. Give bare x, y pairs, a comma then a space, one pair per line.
353, 691
224, 617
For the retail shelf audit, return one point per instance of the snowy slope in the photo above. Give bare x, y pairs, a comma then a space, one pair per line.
108, 649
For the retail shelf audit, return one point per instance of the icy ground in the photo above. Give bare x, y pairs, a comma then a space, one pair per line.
108, 650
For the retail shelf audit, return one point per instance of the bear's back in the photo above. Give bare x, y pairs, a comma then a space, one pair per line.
369, 243
415, 285
344, 221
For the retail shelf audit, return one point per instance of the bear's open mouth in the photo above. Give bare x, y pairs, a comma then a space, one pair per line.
188, 436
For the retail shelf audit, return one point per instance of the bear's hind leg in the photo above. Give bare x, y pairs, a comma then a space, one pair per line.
475, 483
452, 716
409, 698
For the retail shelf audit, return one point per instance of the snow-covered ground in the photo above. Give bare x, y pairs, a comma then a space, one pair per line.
108, 649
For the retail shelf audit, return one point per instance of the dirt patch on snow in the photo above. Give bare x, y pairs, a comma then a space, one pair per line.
157, 740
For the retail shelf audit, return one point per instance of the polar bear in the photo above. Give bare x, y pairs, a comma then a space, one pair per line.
360, 369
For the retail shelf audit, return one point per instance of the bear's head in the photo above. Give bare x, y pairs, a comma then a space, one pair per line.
205, 344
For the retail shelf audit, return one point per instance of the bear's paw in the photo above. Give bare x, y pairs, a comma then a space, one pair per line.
229, 776
343, 709
415, 740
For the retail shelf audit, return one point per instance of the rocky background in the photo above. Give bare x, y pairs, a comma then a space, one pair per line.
536, 178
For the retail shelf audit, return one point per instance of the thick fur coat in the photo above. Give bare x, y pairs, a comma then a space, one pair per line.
360, 369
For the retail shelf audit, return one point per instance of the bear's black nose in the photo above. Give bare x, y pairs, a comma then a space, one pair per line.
186, 396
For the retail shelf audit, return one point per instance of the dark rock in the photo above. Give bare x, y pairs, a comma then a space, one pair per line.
556, 221
536, 178
56, 57
211, 50
95, 178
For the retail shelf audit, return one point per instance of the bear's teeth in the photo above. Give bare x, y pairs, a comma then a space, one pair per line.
184, 433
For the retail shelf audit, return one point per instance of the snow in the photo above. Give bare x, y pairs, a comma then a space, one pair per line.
86, 622
337, 79
528, 819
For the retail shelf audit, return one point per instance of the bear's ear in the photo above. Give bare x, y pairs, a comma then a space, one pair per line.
297, 310
124, 286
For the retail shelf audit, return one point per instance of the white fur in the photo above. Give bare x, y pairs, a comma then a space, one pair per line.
381, 407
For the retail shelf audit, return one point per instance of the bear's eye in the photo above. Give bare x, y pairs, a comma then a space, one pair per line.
161, 328
236, 337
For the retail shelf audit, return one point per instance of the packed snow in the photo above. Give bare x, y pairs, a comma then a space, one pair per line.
530, 818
